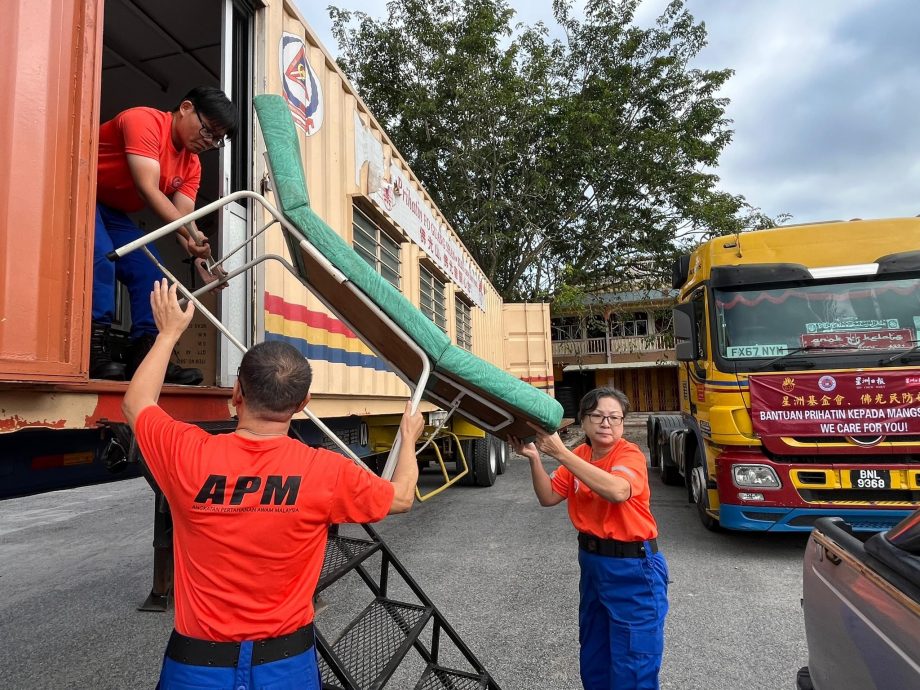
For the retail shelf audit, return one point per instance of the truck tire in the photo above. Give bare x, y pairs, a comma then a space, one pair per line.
667, 469
699, 494
485, 461
651, 430
470, 478
501, 454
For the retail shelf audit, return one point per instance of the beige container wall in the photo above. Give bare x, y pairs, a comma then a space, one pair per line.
528, 353
293, 312
487, 330
338, 389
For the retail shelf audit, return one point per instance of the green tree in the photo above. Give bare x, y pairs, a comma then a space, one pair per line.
579, 163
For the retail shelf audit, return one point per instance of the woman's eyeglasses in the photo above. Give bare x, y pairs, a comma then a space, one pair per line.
598, 418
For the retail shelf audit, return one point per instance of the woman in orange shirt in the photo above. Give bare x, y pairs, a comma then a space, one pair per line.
624, 579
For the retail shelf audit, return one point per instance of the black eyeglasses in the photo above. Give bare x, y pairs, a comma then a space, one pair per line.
599, 418
240, 381
218, 141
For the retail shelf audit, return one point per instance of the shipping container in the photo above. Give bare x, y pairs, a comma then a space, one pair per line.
73, 64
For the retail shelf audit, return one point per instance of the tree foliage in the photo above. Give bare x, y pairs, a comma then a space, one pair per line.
582, 162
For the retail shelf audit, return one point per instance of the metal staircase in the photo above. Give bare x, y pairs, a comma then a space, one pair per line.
369, 651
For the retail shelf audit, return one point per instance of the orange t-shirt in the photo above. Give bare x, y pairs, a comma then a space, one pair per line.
144, 132
630, 520
250, 520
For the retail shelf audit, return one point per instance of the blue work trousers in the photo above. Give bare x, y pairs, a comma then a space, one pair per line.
298, 672
621, 612
136, 271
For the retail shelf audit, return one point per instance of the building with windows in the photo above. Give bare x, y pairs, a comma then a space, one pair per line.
621, 339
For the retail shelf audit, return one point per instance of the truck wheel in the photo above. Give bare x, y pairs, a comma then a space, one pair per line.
667, 470
659, 430
651, 431
501, 454
699, 494
470, 478
485, 461
652, 435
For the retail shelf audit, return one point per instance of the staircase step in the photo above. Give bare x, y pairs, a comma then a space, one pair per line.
440, 678
330, 682
343, 554
374, 644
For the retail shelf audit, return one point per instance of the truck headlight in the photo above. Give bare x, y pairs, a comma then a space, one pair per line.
761, 476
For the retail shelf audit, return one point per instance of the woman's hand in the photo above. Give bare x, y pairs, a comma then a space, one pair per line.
528, 450
550, 444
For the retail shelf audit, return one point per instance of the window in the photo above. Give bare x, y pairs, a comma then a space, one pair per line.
431, 298
629, 325
566, 328
867, 317
464, 327
376, 247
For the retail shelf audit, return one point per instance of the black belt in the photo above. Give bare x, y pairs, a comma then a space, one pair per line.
191, 650
616, 548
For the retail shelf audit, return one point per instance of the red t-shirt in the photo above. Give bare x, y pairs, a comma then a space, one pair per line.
630, 520
250, 520
144, 132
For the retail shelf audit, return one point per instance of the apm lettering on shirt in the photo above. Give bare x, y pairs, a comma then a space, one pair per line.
277, 491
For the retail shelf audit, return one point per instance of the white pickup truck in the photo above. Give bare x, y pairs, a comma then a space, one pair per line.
862, 608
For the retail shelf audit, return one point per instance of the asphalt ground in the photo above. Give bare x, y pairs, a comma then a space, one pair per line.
75, 564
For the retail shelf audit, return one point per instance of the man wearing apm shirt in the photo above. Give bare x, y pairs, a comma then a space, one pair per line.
250, 514
149, 158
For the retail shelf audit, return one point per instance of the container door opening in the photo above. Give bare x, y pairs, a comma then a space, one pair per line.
153, 54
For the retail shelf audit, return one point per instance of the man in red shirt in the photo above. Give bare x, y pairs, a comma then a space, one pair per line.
250, 513
148, 158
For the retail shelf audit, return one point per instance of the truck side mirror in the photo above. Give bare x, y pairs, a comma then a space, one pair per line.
680, 269
686, 347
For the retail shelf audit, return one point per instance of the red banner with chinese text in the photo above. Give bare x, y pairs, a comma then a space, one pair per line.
863, 340
865, 403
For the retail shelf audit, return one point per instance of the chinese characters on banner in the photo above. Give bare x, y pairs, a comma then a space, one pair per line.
408, 210
402, 204
866, 403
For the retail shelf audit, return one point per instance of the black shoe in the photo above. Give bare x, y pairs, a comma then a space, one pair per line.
174, 373
101, 365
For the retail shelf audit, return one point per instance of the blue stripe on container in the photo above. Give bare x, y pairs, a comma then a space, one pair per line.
334, 355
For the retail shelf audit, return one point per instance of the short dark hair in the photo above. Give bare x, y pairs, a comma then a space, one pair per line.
214, 105
275, 378
592, 398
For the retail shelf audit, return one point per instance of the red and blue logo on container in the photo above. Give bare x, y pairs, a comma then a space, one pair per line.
299, 84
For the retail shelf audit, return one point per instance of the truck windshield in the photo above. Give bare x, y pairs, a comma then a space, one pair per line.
876, 317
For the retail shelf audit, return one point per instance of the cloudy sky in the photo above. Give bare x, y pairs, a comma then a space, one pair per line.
825, 98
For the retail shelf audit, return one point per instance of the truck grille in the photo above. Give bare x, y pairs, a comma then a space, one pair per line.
823, 440
806, 477
859, 495
904, 459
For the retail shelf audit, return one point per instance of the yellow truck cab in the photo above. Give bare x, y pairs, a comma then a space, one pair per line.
800, 394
